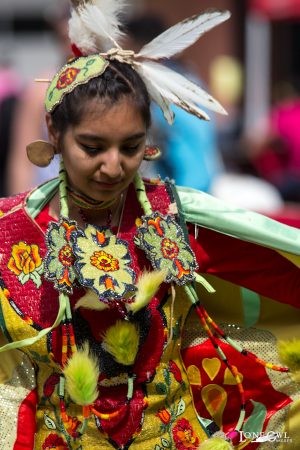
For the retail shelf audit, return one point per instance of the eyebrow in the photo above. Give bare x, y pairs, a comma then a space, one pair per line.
93, 137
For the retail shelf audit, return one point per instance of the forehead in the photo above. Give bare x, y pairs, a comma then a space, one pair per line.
106, 118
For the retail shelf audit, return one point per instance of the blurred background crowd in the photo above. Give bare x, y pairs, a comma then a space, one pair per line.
250, 64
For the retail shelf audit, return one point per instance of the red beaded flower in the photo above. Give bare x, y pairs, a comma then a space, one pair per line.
66, 256
67, 77
164, 416
169, 249
184, 435
50, 383
173, 368
54, 441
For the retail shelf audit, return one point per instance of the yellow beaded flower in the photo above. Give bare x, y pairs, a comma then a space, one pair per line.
26, 263
102, 262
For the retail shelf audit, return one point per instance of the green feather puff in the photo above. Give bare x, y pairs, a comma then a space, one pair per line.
122, 342
91, 301
216, 443
289, 354
148, 284
82, 374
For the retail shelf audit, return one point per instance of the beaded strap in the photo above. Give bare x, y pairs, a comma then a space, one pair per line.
63, 193
66, 324
237, 347
141, 194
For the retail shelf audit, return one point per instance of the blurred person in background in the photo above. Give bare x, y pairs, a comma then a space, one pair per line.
29, 121
274, 147
10, 87
237, 185
190, 152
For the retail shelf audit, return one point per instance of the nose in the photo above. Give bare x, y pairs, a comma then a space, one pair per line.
111, 164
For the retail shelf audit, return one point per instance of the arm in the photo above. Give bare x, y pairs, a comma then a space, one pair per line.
252, 266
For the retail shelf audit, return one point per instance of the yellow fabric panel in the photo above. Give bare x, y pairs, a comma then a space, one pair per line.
225, 305
8, 361
292, 428
295, 259
280, 319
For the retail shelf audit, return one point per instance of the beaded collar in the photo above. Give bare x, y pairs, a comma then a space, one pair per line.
84, 202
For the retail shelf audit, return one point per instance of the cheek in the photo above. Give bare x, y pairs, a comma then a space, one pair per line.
77, 164
132, 166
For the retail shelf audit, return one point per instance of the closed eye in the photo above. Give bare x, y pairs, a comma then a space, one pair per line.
91, 150
131, 149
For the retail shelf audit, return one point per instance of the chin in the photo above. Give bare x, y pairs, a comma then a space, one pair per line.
104, 195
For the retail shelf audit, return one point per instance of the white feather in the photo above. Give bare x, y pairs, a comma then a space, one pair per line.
162, 102
182, 35
179, 90
94, 27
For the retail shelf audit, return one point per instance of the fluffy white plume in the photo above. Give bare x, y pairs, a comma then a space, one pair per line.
179, 90
184, 34
94, 26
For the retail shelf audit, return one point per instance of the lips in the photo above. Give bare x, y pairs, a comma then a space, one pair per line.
107, 185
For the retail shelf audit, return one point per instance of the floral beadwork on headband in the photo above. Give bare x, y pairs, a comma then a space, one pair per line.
162, 239
102, 262
71, 75
59, 260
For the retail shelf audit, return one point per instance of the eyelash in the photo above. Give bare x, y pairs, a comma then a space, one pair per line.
132, 149
92, 150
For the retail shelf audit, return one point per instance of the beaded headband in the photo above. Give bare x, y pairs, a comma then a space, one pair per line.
71, 75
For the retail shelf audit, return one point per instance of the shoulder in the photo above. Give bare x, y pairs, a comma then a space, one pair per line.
8, 203
34, 199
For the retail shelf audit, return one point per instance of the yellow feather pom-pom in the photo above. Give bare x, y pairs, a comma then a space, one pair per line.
122, 342
289, 354
91, 301
148, 284
82, 374
216, 443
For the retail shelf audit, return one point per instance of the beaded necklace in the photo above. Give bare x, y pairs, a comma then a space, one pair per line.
84, 202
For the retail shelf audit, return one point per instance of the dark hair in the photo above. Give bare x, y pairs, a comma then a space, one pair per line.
118, 81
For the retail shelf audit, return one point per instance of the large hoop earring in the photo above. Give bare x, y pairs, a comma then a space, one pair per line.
40, 153
152, 153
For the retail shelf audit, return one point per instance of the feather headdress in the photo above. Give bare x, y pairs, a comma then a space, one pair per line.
95, 28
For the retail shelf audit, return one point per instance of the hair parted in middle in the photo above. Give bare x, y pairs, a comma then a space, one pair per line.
119, 82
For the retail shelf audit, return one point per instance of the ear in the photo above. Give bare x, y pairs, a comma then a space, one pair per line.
53, 134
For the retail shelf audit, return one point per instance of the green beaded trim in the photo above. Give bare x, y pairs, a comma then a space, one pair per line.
141, 194
63, 193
